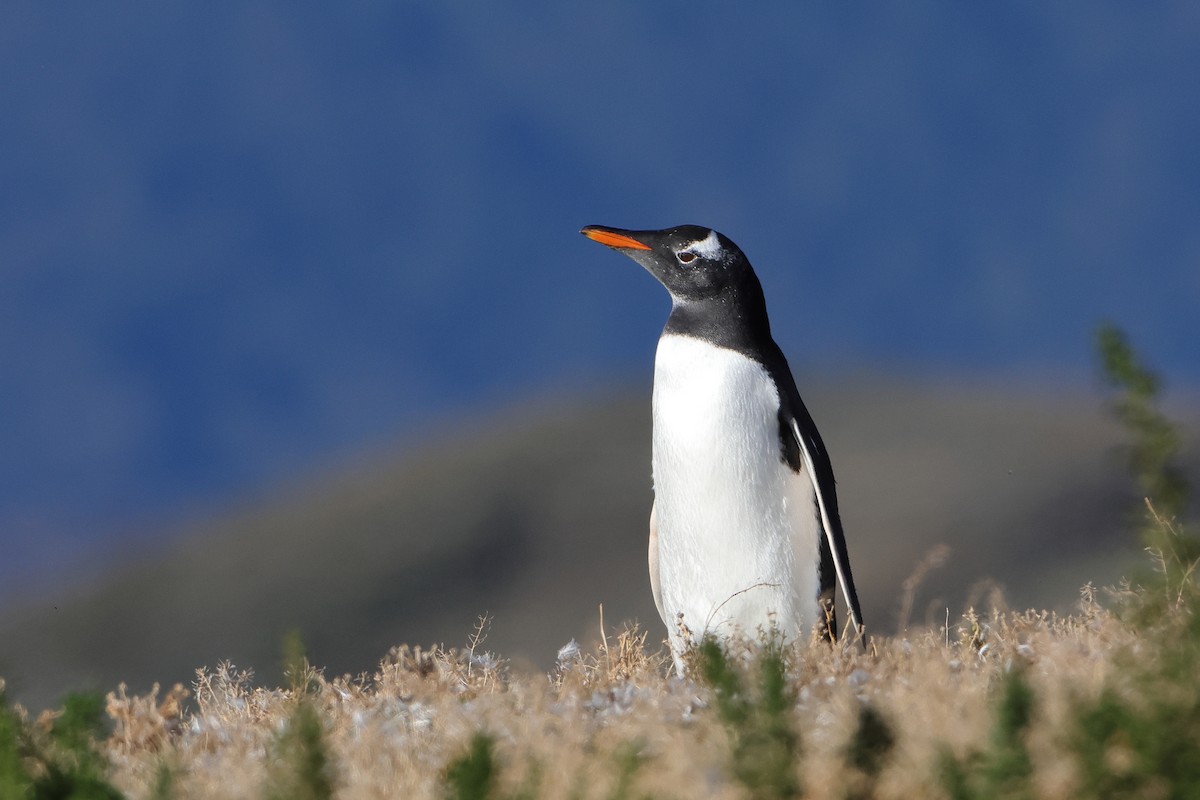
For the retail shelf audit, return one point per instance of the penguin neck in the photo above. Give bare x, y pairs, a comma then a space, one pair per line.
735, 318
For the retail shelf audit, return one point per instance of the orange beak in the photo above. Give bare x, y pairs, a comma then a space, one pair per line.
612, 239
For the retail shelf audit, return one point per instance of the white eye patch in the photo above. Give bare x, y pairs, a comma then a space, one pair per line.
709, 247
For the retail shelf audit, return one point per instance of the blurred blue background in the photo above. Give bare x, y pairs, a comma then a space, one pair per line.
242, 241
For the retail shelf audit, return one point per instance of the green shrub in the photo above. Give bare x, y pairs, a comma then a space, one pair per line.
1154, 447
1153, 456
1141, 736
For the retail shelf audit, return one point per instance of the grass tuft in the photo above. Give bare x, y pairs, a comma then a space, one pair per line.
63, 760
867, 752
472, 776
163, 787
303, 768
15, 780
1004, 770
628, 759
765, 746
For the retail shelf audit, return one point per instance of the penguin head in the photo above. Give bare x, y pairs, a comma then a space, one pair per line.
692, 262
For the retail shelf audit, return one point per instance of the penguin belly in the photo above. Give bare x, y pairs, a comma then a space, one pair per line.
737, 528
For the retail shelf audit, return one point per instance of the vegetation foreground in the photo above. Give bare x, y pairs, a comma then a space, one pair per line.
1011, 705
1103, 703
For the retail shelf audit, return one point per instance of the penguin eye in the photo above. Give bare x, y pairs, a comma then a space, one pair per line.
685, 257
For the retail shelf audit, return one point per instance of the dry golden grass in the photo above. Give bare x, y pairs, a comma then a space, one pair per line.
392, 733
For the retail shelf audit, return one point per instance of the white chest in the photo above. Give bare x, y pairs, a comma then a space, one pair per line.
711, 405
736, 529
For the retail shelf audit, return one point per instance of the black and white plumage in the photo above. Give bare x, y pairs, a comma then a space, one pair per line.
745, 530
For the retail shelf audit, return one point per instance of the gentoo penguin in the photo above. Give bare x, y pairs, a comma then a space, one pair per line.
744, 532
